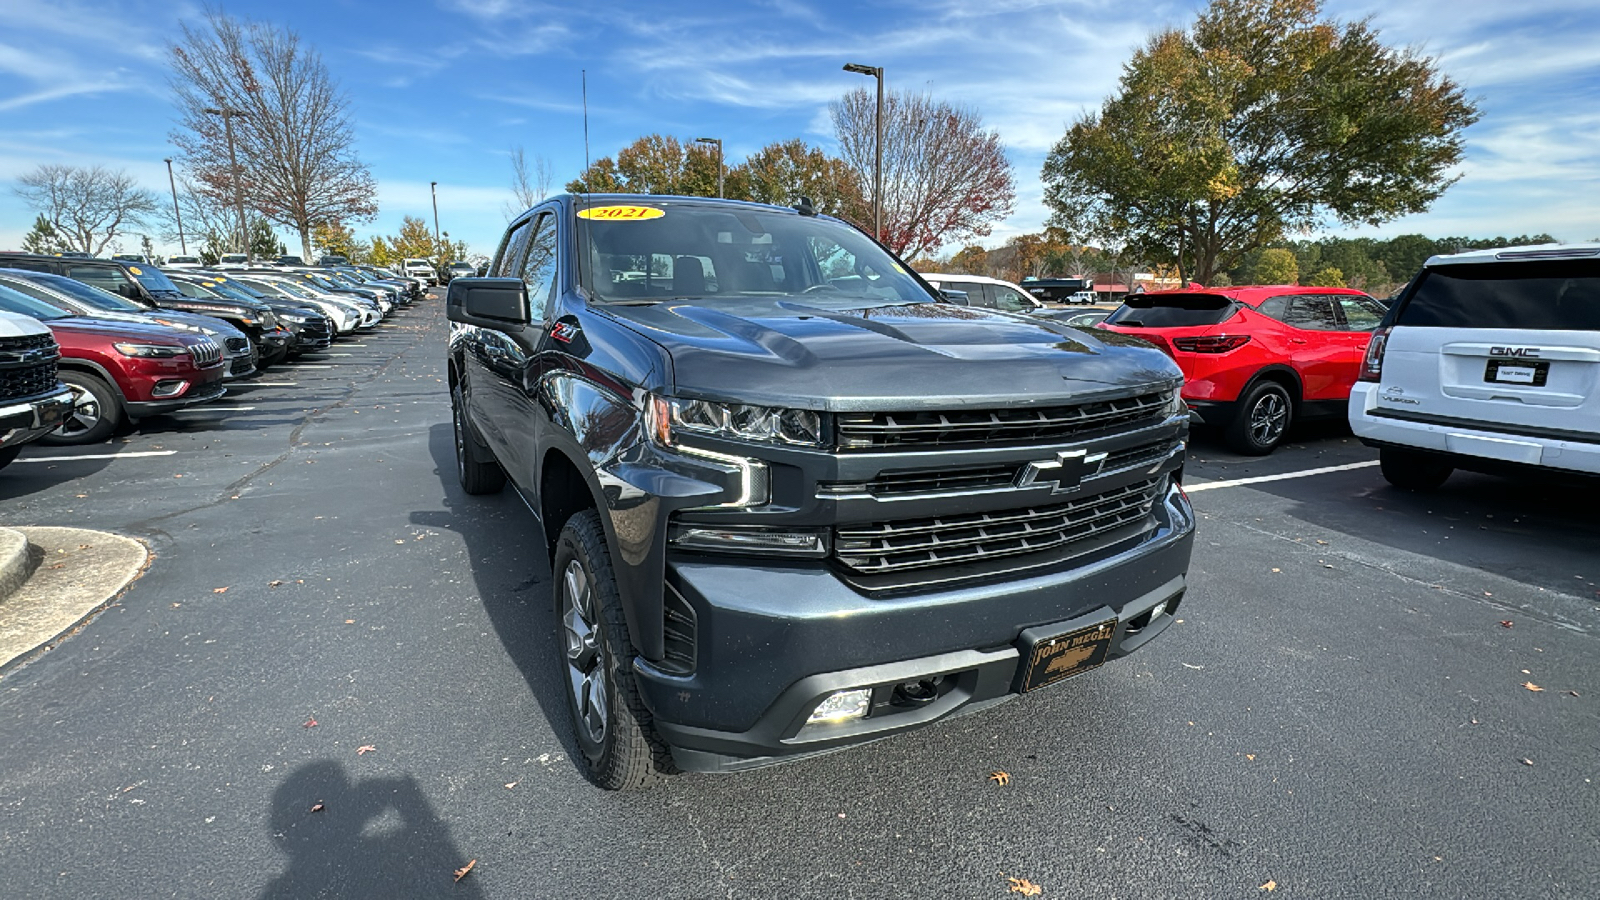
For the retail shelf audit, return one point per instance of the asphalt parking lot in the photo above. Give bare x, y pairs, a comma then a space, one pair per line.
338, 679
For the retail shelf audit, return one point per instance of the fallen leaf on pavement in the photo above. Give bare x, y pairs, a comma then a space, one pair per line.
1277, 570
399, 542
316, 807
1188, 666
1250, 756
512, 784
1531, 686
1269, 886
310, 723
274, 583
364, 749
462, 872
1526, 761
1505, 623
1000, 778
220, 590
1571, 693
1025, 887
349, 621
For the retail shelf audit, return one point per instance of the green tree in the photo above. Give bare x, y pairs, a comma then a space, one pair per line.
264, 242
44, 239
970, 260
1327, 276
415, 240
1275, 266
334, 239
781, 173
1260, 118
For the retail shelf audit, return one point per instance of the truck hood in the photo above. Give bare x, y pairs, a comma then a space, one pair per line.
835, 356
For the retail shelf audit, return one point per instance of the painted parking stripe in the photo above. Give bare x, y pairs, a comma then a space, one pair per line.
256, 384
313, 365
97, 456
1260, 479
209, 408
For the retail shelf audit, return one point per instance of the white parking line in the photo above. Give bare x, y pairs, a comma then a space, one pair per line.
263, 384
1304, 473
97, 456
209, 408
313, 366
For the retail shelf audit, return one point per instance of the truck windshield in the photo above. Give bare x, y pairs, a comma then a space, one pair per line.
655, 250
153, 280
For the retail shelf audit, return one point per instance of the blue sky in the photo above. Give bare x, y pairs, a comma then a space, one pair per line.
441, 90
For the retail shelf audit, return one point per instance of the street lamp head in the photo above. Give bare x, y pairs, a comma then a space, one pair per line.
860, 69
433, 184
717, 141
167, 160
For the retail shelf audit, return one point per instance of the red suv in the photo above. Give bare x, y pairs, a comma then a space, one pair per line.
1255, 359
121, 370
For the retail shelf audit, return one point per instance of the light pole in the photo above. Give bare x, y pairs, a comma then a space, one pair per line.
877, 153
175, 211
228, 115
718, 142
433, 187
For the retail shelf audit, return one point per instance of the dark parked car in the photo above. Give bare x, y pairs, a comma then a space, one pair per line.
309, 330
795, 501
33, 401
120, 371
457, 270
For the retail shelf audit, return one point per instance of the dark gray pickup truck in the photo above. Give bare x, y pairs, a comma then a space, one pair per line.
793, 500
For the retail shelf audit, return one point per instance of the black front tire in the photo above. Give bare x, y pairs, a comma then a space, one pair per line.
1413, 471
1261, 420
476, 467
96, 411
614, 728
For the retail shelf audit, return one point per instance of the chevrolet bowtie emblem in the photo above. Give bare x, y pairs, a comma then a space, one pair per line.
1065, 472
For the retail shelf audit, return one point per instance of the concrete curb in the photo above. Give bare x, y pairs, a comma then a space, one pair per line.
78, 573
17, 561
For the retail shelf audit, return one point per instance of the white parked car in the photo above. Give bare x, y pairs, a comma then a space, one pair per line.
1488, 361
420, 268
989, 293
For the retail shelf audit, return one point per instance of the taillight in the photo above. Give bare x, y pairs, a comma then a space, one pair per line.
1372, 364
1217, 343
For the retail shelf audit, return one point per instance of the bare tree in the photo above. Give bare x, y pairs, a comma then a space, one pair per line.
297, 161
87, 207
528, 189
945, 178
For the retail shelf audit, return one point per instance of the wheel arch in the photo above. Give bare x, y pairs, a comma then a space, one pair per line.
1285, 376
91, 367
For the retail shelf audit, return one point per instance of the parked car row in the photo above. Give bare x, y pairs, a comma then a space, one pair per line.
88, 345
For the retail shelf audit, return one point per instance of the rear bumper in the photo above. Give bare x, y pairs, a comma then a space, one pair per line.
1470, 445
775, 640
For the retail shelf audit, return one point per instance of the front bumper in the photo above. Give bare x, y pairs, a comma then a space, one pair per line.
774, 640
29, 418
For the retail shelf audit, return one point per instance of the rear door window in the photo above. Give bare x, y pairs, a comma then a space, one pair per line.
1009, 300
1311, 312
1547, 295
107, 278
1172, 311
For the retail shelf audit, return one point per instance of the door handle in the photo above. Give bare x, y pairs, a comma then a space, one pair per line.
1297, 340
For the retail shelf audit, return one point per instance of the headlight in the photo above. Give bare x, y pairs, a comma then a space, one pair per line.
669, 417
150, 351
293, 318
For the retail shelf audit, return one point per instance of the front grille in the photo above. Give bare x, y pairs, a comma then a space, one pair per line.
238, 346
240, 365
1004, 427
944, 481
205, 355
889, 547
27, 365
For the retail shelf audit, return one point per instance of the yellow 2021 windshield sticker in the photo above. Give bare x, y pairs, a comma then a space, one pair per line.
621, 213
135, 270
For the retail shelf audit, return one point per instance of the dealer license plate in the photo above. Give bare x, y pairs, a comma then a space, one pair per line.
1062, 656
1507, 372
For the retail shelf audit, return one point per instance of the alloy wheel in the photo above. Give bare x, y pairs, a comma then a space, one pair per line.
85, 415
586, 674
1268, 418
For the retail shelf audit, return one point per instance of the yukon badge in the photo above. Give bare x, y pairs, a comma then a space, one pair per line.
1063, 473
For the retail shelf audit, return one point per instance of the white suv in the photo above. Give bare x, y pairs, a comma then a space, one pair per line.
420, 269
1488, 361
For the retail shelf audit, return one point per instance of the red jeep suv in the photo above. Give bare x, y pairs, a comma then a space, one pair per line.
1255, 359
121, 370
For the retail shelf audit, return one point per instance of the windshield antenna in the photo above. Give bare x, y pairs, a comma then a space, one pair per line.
805, 208
584, 73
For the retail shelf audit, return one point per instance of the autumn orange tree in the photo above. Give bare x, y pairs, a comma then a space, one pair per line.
1259, 119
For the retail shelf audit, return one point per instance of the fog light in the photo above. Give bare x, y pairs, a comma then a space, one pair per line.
169, 387
842, 706
749, 540
1157, 610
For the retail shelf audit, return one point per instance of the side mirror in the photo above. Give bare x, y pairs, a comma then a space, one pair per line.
959, 298
500, 303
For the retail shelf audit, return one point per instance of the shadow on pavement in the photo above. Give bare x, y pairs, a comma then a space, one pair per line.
511, 574
376, 838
